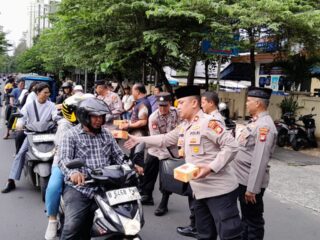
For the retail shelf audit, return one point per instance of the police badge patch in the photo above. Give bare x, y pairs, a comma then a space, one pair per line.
215, 126
263, 132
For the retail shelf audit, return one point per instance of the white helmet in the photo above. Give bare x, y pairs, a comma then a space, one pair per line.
222, 106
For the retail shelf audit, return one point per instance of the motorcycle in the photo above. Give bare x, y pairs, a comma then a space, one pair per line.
285, 129
225, 112
39, 158
119, 214
304, 136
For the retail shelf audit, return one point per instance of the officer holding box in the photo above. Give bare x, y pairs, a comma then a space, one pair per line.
257, 141
204, 142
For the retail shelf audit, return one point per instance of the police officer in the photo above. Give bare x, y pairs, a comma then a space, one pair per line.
163, 120
110, 98
257, 142
209, 105
204, 142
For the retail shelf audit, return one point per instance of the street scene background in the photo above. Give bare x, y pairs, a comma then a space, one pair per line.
292, 202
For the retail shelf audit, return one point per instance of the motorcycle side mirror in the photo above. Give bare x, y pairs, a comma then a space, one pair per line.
76, 163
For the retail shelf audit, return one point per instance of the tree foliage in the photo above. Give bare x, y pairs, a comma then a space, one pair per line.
124, 38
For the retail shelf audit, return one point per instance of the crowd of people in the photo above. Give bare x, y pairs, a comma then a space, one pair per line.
231, 168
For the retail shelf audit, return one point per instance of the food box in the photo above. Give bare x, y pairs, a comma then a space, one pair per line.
119, 122
119, 134
186, 172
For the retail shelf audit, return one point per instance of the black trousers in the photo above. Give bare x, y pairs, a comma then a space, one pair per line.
218, 216
151, 170
79, 214
252, 215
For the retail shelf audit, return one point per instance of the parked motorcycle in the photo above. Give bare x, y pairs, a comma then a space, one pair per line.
285, 129
119, 214
225, 112
304, 136
40, 154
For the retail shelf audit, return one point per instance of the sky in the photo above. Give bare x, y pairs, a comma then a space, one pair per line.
14, 18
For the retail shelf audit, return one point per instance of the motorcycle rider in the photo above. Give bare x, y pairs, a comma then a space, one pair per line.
93, 144
67, 92
40, 110
55, 185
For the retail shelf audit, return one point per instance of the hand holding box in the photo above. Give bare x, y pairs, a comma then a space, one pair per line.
186, 172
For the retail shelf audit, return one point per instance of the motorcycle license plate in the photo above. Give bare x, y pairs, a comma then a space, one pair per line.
123, 195
43, 138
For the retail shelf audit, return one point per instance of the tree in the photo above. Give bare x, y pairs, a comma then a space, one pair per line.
285, 21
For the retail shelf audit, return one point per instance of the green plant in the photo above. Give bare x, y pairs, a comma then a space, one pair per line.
290, 104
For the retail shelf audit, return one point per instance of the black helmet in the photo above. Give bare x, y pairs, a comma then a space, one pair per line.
67, 85
92, 107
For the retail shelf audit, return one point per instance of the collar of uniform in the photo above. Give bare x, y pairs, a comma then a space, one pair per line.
198, 116
214, 111
262, 114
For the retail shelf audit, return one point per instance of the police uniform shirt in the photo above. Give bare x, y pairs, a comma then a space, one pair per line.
217, 115
257, 142
204, 140
160, 124
114, 103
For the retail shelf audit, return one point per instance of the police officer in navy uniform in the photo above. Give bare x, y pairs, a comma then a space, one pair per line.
204, 142
257, 141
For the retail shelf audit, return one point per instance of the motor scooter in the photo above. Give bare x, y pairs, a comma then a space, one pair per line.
39, 158
285, 127
304, 135
225, 112
119, 214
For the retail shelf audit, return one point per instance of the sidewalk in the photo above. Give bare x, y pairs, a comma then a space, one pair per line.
295, 177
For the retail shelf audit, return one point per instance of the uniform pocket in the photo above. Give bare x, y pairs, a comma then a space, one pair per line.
196, 150
230, 223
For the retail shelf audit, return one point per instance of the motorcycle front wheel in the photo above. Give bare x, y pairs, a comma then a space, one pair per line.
296, 144
282, 138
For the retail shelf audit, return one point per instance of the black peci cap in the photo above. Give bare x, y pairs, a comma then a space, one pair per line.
100, 82
187, 91
163, 98
259, 92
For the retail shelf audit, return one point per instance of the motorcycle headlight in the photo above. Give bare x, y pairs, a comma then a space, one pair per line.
45, 156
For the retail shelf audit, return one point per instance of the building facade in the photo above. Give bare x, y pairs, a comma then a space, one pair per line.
39, 11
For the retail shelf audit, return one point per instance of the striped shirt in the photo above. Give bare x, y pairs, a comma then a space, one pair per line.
96, 151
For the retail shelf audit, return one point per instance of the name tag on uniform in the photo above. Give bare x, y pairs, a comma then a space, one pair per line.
194, 139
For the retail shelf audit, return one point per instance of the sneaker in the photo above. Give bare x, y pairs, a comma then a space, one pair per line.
51, 232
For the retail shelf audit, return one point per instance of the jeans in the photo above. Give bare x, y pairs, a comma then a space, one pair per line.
54, 191
79, 213
18, 162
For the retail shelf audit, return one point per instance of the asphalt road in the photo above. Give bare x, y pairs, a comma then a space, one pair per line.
23, 217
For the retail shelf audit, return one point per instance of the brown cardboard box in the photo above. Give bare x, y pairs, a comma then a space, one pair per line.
119, 134
119, 122
185, 172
